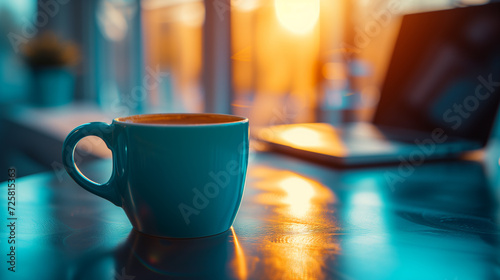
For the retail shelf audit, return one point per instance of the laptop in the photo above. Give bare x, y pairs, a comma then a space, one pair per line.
439, 98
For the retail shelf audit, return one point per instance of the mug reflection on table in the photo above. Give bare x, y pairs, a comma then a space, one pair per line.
214, 257
143, 256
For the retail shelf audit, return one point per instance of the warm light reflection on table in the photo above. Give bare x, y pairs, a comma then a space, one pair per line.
294, 249
239, 263
299, 193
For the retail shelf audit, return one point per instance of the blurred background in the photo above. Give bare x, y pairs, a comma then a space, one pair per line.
67, 62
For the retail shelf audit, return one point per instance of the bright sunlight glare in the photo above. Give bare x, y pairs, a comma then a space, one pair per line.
302, 137
298, 16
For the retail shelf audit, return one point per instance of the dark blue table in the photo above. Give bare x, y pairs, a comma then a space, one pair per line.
298, 220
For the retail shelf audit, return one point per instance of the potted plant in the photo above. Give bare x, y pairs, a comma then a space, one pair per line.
50, 61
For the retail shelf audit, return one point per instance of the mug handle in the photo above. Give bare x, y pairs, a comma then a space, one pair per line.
102, 130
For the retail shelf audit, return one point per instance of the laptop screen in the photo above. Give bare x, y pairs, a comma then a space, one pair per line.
445, 73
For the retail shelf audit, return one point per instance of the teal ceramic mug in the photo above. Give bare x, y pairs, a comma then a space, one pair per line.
174, 175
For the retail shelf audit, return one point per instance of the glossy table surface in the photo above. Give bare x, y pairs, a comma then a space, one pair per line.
298, 220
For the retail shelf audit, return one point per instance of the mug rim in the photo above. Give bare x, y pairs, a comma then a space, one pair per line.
238, 120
